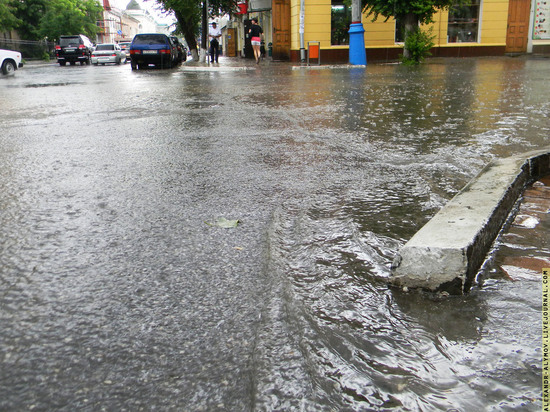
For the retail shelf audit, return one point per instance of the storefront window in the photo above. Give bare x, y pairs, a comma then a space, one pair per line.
399, 31
464, 22
340, 22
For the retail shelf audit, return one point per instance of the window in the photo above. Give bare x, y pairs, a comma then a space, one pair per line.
464, 22
399, 31
340, 19
104, 47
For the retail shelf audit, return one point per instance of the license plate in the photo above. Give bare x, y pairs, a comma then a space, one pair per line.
149, 52
70, 50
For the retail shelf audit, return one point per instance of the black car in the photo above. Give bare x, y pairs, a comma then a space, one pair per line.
72, 49
182, 50
152, 48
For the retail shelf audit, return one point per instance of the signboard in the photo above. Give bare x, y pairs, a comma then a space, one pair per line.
541, 31
259, 5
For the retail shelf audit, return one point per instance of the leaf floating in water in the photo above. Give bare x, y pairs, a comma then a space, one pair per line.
225, 223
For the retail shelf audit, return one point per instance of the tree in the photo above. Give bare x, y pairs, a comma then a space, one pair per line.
408, 12
188, 15
70, 17
8, 20
30, 12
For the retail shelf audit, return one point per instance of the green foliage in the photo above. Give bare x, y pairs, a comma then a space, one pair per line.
8, 19
64, 17
418, 43
30, 12
188, 15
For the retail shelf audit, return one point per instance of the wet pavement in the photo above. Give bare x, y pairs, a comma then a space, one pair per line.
119, 292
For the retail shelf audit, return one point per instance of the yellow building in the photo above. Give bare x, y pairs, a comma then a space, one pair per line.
481, 28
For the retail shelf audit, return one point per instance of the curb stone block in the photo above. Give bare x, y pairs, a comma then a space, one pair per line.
447, 252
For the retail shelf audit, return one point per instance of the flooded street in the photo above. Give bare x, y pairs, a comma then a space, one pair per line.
118, 291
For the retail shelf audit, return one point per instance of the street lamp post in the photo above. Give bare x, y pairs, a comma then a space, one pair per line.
357, 53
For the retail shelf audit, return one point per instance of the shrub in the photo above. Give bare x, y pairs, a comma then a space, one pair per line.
418, 43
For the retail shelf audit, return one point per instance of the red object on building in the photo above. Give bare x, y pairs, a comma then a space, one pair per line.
243, 8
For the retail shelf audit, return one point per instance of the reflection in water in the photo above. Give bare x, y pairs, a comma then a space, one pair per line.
117, 296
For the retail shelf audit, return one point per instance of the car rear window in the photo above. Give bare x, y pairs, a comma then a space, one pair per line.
149, 39
69, 41
105, 47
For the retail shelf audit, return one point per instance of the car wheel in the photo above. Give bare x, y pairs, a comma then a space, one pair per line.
8, 67
96, 64
118, 61
62, 63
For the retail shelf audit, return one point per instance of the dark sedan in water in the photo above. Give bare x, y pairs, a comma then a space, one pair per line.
152, 49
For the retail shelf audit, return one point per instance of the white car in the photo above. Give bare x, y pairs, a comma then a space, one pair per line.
125, 46
10, 61
108, 53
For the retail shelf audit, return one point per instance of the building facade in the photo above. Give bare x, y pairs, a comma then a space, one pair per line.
111, 25
147, 22
122, 25
480, 28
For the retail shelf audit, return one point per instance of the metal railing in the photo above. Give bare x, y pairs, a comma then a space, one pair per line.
30, 49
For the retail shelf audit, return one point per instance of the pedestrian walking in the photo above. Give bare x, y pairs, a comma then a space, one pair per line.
215, 33
255, 34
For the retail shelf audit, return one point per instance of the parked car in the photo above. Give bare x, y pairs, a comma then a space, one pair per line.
125, 46
108, 53
152, 48
72, 49
182, 50
10, 61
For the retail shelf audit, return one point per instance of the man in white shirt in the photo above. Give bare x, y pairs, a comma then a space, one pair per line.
214, 33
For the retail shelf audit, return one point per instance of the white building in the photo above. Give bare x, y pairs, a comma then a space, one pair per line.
111, 25
147, 22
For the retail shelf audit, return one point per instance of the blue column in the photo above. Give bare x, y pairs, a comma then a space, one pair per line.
357, 52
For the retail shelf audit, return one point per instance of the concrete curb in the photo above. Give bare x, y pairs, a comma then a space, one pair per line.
446, 254
329, 67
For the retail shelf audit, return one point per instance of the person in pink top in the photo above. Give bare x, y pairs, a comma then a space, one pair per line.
255, 34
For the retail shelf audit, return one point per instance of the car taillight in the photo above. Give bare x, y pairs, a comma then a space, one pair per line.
164, 51
57, 47
135, 51
81, 47
113, 55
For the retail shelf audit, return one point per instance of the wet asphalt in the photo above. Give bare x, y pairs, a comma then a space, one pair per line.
119, 290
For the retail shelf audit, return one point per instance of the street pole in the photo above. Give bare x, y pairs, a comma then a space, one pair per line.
302, 23
357, 52
204, 37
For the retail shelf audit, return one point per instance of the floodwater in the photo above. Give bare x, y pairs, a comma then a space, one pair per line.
119, 292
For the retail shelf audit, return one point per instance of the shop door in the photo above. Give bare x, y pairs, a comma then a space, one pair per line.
518, 26
231, 43
281, 29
